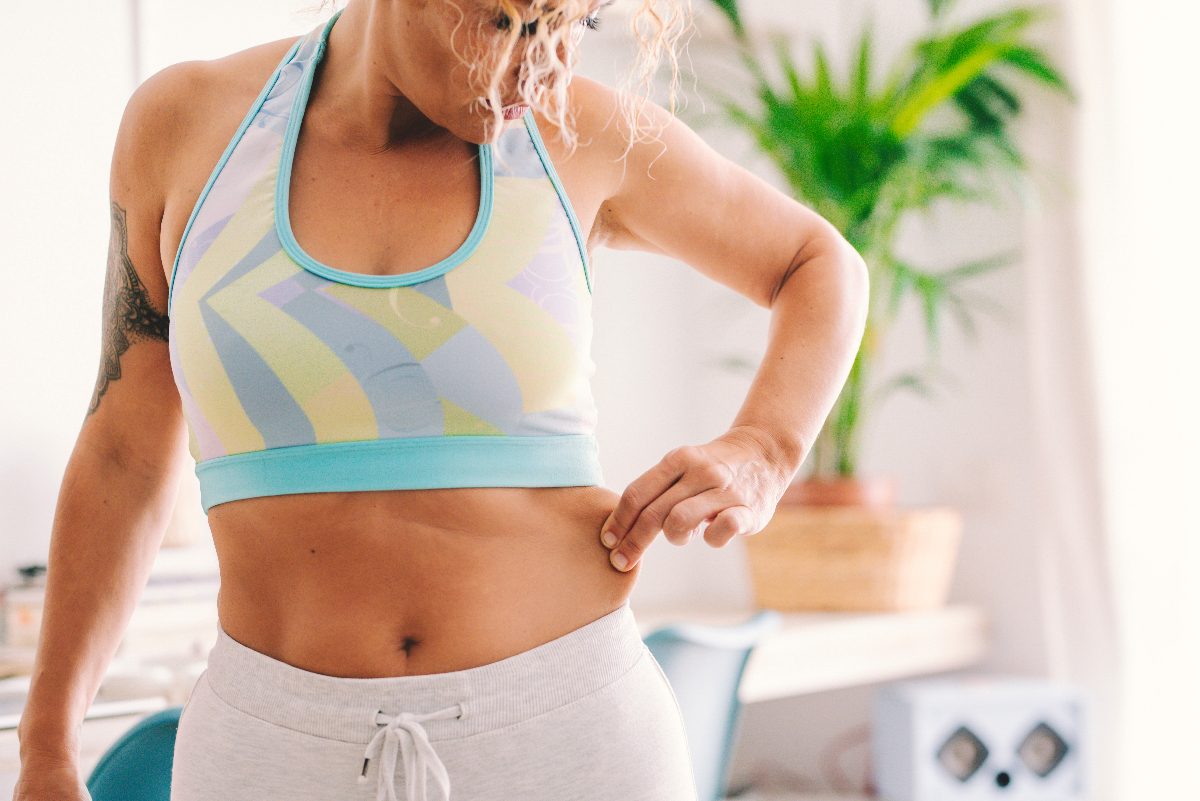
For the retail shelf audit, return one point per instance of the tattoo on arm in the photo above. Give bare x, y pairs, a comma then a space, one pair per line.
127, 314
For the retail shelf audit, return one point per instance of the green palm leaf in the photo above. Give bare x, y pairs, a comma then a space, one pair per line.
866, 154
730, 9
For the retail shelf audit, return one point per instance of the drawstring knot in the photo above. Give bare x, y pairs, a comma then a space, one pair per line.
405, 736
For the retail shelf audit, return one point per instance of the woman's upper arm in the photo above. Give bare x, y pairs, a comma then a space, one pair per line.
135, 413
682, 198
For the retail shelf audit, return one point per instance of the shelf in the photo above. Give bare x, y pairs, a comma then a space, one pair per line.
816, 651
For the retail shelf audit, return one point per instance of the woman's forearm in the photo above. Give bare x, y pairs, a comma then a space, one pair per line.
818, 316
108, 525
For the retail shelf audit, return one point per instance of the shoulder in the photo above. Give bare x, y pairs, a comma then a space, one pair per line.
151, 127
242, 72
614, 159
598, 166
183, 100
600, 134
604, 134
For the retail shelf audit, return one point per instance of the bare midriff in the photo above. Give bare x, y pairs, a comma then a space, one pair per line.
407, 582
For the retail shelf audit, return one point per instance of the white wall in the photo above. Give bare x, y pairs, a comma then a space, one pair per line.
56, 220
66, 77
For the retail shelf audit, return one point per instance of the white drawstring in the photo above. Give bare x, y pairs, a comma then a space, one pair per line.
405, 733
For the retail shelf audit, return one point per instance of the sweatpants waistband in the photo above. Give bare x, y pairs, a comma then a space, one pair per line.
491, 696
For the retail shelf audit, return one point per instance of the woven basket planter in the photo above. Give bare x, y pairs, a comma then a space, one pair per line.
854, 558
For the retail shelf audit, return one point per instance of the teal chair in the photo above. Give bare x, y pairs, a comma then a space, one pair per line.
704, 666
137, 767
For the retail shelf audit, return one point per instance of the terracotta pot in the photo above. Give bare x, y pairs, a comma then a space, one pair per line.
872, 492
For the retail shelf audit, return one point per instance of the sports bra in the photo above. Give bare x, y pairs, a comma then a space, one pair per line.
299, 377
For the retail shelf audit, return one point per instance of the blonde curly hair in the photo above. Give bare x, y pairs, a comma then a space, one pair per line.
656, 27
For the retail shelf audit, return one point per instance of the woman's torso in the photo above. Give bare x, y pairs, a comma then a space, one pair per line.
393, 582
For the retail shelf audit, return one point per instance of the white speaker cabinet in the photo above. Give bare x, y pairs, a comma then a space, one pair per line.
979, 737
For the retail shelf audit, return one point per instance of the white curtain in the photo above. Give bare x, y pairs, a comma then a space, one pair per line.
1130, 336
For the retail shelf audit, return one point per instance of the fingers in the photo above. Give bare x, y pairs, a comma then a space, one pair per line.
629, 549
641, 492
729, 523
695, 515
723, 488
650, 504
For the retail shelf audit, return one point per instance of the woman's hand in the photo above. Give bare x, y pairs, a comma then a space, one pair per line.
726, 487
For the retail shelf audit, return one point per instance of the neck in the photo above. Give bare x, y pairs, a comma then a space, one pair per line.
358, 96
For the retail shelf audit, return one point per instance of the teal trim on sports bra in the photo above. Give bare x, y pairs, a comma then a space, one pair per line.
540, 147
216, 172
402, 463
283, 223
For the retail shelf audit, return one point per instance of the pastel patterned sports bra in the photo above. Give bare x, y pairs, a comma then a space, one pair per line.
298, 377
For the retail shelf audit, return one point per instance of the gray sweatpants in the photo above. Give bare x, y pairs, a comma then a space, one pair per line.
588, 716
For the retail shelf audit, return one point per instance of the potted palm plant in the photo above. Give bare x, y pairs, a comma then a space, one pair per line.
866, 154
